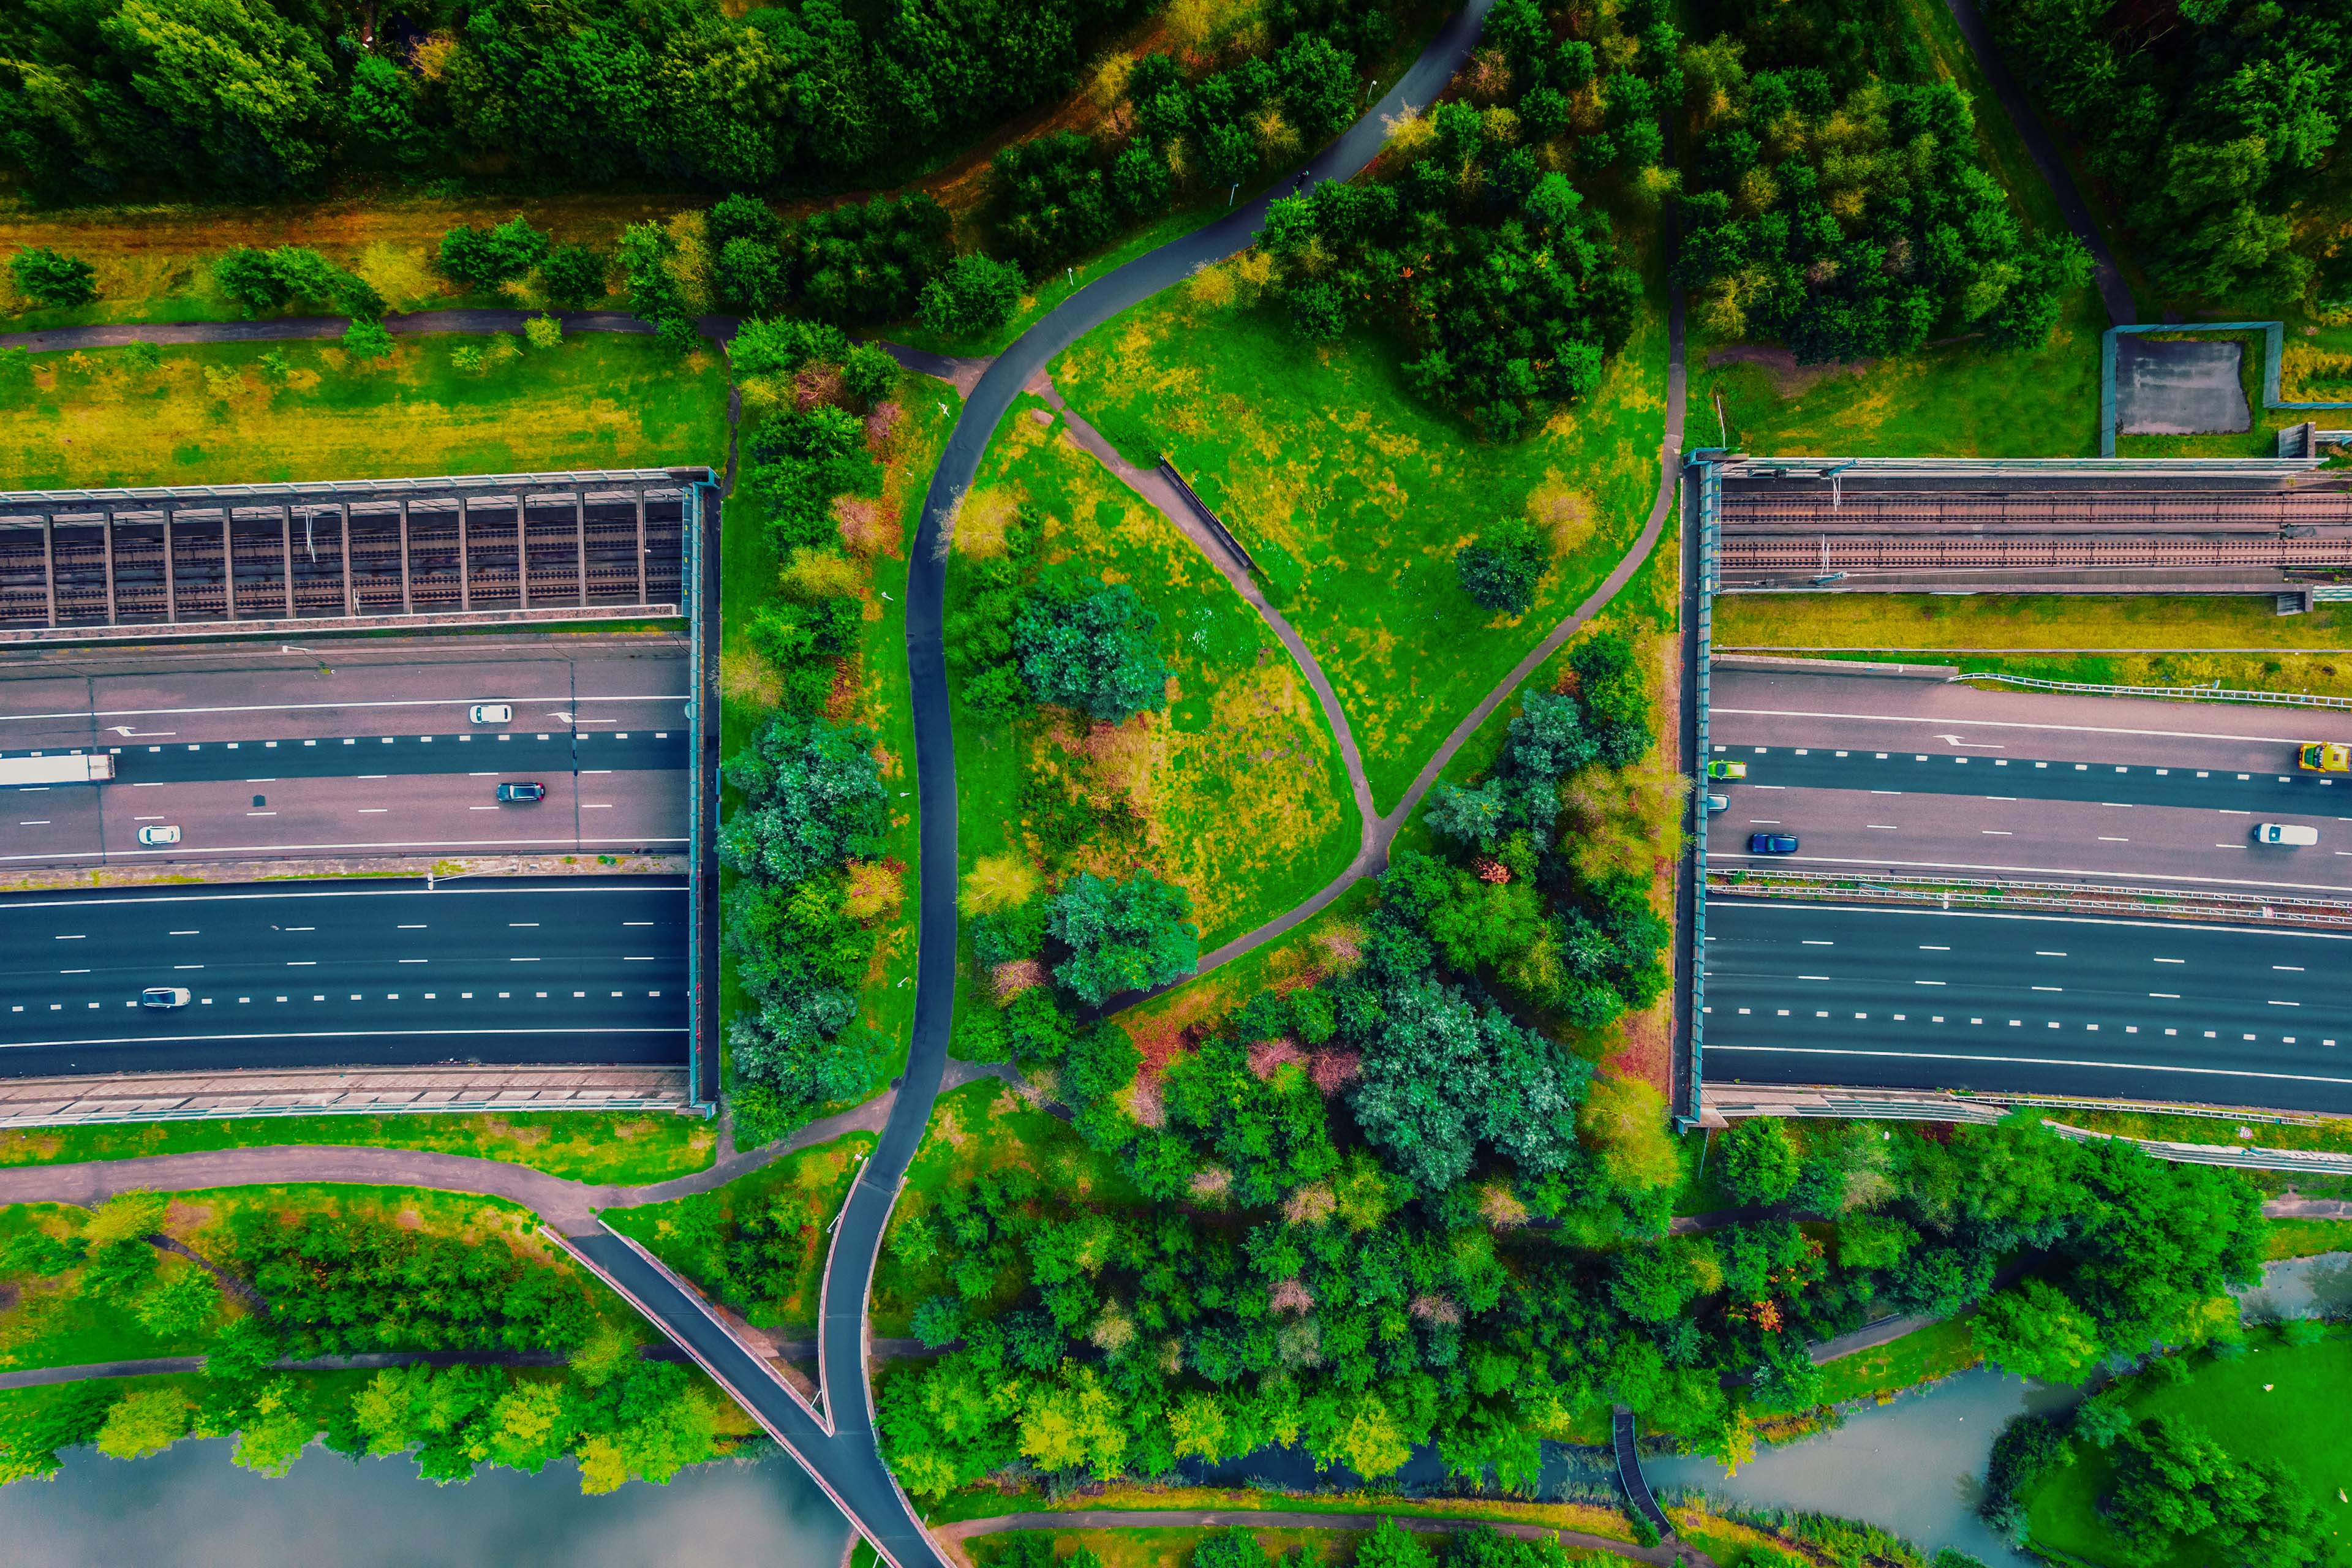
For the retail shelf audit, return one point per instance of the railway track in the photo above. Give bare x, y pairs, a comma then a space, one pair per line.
124, 565
1838, 553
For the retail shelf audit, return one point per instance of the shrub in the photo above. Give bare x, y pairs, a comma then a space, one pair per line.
574, 277
543, 332
367, 340
490, 260
976, 294
1502, 569
52, 278
273, 279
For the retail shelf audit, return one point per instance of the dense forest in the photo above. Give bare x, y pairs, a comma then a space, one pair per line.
264, 96
2216, 124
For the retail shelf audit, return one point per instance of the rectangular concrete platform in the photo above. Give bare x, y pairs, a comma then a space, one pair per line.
335, 1092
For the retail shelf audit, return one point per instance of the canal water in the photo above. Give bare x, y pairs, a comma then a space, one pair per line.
190, 1508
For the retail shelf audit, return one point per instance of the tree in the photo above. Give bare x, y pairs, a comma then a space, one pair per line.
490, 260
869, 372
574, 277
813, 800
2173, 1481
1502, 568
2034, 1330
1233, 1547
367, 340
1122, 936
144, 1421
1092, 647
50, 278
973, 296
1390, 1545
1759, 1164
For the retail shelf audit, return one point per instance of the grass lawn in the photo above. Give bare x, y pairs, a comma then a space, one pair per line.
50, 1323
210, 413
878, 693
2277, 1402
984, 1126
1920, 1356
2308, 1237
1353, 495
1237, 787
805, 1191
1965, 399
626, 1148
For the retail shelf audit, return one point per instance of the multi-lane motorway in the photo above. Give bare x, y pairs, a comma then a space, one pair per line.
587, 969
1911, 776
362, 750
1923, 999
1908, 778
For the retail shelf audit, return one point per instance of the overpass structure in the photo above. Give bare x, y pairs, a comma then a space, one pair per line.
2261, 525
98, 565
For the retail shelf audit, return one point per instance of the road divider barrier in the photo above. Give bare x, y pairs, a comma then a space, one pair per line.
2080, 897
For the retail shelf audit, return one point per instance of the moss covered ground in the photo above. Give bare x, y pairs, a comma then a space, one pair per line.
1353, 495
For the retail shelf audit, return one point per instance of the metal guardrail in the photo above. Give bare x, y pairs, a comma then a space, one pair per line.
2314, 1161
2186, 693
486, 1104
701, 796
2089, 898
1216, 524
1710, 505
1741, 466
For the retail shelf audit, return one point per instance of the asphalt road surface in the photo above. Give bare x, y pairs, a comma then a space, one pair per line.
358, 749
297, 975
1850, 995
1905, 776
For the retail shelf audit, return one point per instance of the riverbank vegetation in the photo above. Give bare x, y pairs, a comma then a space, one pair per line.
250, 1276
622, 1148
835, 447
2235, 1453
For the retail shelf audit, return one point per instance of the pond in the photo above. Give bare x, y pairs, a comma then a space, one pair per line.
190, 1508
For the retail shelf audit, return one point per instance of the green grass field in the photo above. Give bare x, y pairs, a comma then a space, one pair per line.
626, 1148
1353, 495
211, 414
1921, 1356
1238, 784
805, 1190
2277, 1402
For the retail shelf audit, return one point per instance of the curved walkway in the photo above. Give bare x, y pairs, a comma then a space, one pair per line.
964, 1530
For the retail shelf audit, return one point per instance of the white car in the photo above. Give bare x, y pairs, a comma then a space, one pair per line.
490, 713
2290, 834
151, 837
164, 997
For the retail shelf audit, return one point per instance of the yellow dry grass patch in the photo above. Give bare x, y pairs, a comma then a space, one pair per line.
977, 527
999, 882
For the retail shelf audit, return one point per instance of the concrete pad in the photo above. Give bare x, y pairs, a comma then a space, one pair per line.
2179, 388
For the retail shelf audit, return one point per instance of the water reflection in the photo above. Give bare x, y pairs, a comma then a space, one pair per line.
190, 1508
1916, 1467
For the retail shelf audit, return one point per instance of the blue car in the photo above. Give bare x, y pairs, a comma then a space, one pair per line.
1771, 844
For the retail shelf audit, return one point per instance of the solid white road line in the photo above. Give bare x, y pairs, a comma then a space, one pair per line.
2028, 1061
2005, 724
333, 1034
391, 844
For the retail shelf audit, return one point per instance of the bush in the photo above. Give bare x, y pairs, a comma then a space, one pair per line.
973, 296
1759, 1164
869, 372
490, 260
53, 279
367, 340
543, 332
574, 277
1502, 569
273, 279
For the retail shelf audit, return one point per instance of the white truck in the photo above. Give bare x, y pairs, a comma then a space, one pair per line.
61, 767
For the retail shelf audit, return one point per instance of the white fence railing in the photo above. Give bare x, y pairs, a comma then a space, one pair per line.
2186, 693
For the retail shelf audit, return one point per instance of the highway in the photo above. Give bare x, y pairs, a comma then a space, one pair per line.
292, 974
278, 752
1900, 774
1917, 998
